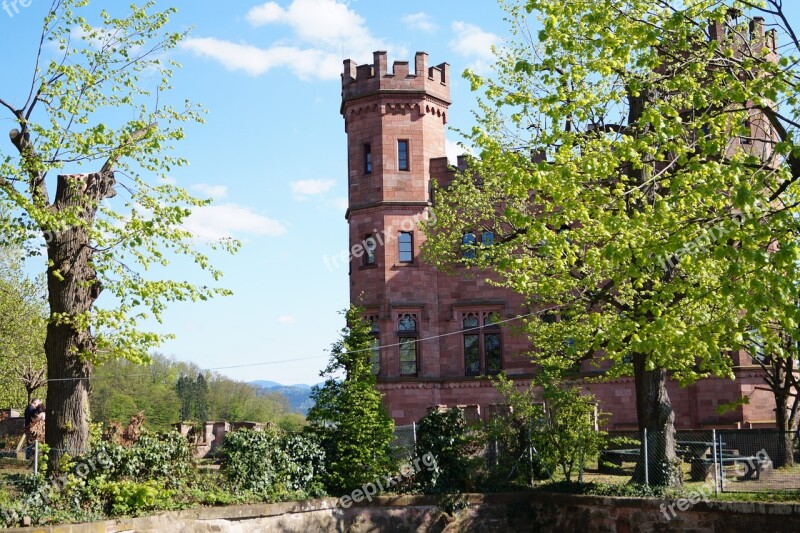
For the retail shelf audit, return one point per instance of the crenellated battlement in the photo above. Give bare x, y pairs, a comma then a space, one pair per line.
359, 81
756, 38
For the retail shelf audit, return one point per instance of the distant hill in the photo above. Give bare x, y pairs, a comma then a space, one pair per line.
299, 396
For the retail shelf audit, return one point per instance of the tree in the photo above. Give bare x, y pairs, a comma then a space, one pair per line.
781, 377
348, 415
22, 331
559, 420
90, 116
638, 169
201, 397
185, 389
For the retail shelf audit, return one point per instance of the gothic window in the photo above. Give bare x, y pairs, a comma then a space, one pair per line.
408, 342
483, 348
405, 247
402, 155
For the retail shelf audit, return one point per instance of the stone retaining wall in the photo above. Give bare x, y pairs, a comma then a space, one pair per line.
480, 514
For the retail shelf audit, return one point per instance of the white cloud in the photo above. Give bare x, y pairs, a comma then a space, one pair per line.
323, 30
305, 64
215, 222
419, 21
286, 319
302, 189
472, 42
216, 192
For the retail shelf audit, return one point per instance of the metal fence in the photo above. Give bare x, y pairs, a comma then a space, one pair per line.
752, 460
746, 460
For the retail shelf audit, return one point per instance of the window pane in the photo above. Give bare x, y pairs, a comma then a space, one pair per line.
369, 246
493, 352
402, 155
405, 247
472, 355
468, 242
367, 158
375, 355
487, 238
408, 356
471, 321
407, 323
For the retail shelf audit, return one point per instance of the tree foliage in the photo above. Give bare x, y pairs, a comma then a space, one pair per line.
638, 166
22, 329
348, 415
96, 121
120, 389
555, 417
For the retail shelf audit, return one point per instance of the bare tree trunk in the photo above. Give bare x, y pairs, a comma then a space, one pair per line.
785, 424
72, 290
654, 411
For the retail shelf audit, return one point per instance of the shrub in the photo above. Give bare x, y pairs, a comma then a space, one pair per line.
454, 444
273, 464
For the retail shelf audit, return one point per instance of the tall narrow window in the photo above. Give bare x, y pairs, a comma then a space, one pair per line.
407, 337
405, 247
483, 348
370, 244
375, 345
472, 346
367, 158
402, 155
468, 244
492, 348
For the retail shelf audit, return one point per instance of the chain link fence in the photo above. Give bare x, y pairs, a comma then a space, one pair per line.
746, 460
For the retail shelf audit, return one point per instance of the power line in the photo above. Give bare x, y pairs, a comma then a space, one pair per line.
308, 358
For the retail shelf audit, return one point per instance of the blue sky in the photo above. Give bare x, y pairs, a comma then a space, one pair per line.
272, 155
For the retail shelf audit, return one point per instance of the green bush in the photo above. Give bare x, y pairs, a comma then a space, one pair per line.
273, 464
454, 444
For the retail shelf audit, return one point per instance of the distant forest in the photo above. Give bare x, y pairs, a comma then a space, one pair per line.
168, 391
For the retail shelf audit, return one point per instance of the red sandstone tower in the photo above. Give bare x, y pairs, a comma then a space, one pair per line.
395, 124
436, 336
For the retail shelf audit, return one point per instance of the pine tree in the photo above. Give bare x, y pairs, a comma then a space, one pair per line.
353, 425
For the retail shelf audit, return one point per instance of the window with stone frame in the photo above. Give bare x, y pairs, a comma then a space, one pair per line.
370, 244
403, 156
408, 342
482, 342
367, 158
375, 344
405, 247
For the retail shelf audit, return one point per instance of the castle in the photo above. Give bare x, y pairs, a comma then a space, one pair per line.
437, 336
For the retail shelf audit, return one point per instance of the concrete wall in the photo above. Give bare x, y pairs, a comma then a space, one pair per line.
493, 512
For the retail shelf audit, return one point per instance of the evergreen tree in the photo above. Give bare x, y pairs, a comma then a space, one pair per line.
353, 425
201, 398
